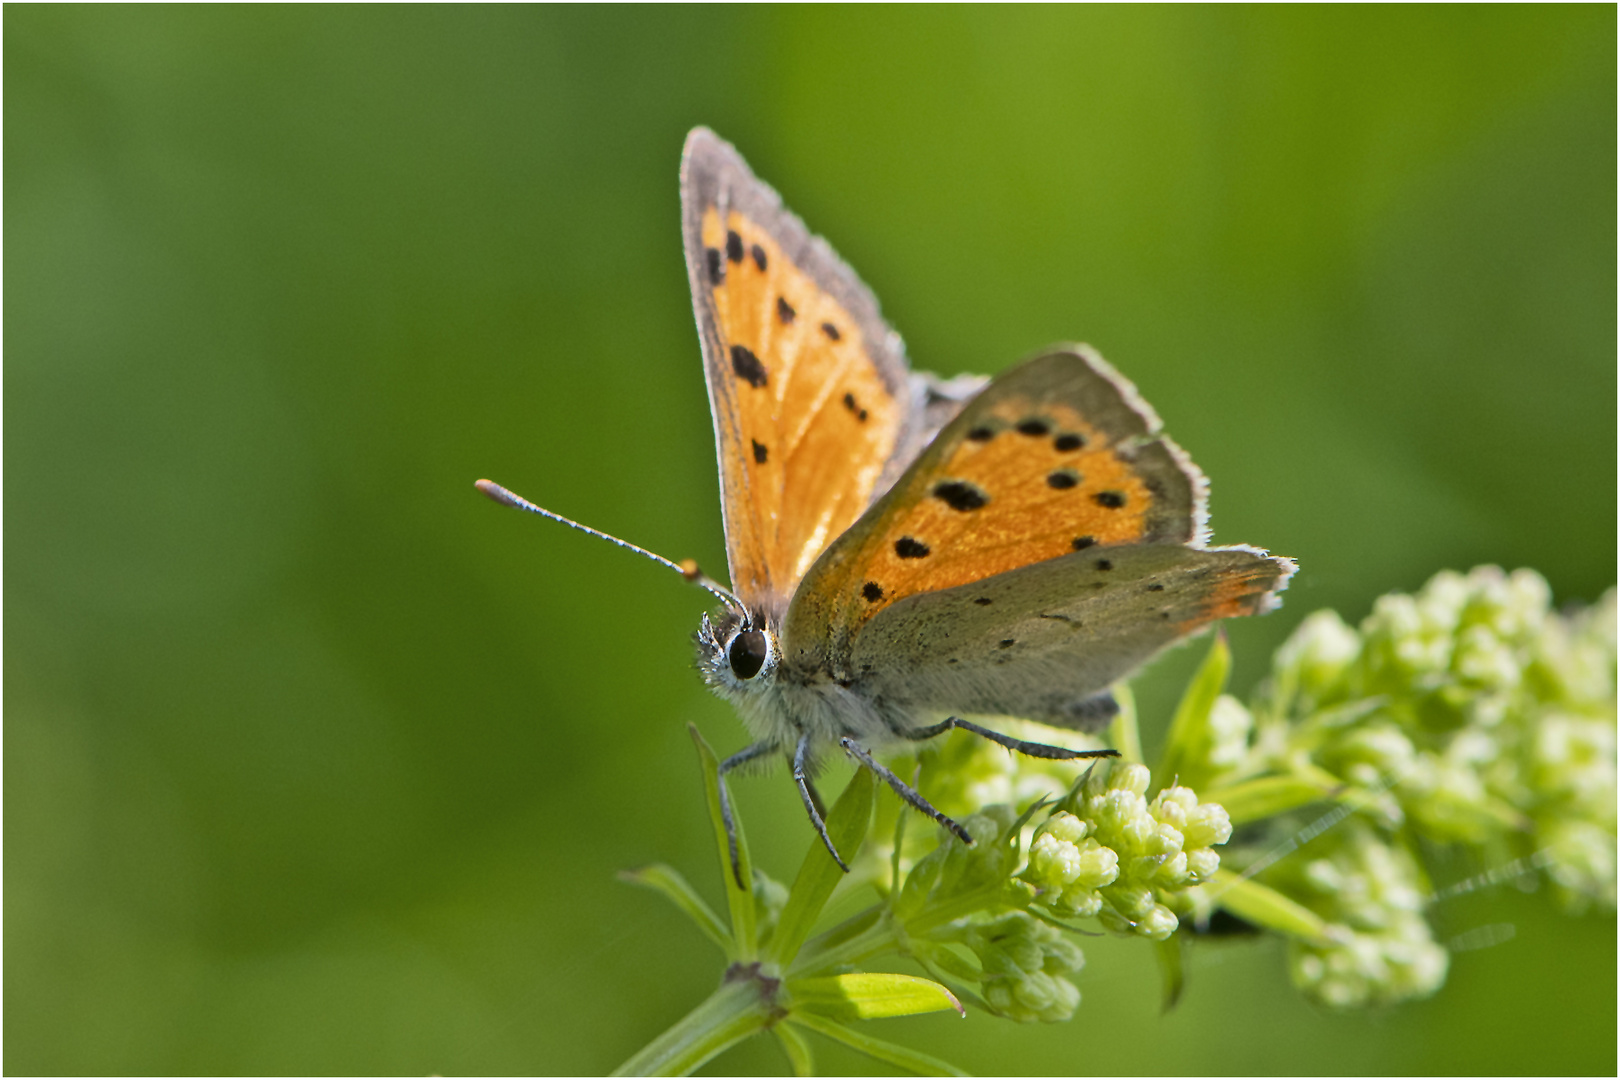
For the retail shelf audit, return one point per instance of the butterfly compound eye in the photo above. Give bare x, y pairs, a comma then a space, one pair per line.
747, 653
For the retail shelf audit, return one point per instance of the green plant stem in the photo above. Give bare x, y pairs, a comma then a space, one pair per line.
826, 951
958, 907
743, 1004
879, 939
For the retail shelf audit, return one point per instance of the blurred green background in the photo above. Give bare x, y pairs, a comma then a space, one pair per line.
318, 762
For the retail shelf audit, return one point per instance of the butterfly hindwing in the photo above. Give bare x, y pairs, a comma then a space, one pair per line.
808, 386
1038, 642
1056, 491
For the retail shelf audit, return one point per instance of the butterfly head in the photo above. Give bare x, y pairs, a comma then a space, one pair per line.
738, 652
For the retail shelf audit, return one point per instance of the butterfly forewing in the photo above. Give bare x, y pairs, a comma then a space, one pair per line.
807, 385
1056, 465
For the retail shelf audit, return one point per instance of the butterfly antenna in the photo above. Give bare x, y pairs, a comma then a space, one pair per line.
687, 568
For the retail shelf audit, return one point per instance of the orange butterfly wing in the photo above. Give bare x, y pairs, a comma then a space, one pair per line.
1052, 506
808, 386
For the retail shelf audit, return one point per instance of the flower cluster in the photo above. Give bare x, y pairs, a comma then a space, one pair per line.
967, 897
1114, 854
1377, 947
1490, 716
1027, 967
1467, 714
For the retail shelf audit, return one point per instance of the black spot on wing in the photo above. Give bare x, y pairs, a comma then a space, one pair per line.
761, 452
982, 433
734, 248
1007, 643
1034, 425
831, 331
717, 265
759, 256
872, 591
1063, 479
911, 548
784, 311
1068, 441
1083, 542
747, 366
1113, 500
1104, 564
960, 495
983, 601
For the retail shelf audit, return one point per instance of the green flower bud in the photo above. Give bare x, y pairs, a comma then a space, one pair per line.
1129, 900
1207, 824
1159, 923
1202, 864
1230, 727
1081, 901
1067, 827
770, 897
1486, 660
1317, 656
1172, 872
1026, 964
1582, 862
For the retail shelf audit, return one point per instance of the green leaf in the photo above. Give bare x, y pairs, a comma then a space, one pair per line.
741, 900
1338, 717
1049, 919
943, 963
819, 874
1266, 907
1123, 733
1267, 796
667, 880
796, 1049
920, 882
870, 996
1171, 953
1186, 747
901, 1057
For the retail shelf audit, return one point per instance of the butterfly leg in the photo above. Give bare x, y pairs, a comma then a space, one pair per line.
906, 792
1028, 749
741, 757
812, 801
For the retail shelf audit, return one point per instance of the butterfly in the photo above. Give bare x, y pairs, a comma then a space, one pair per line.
904, 549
